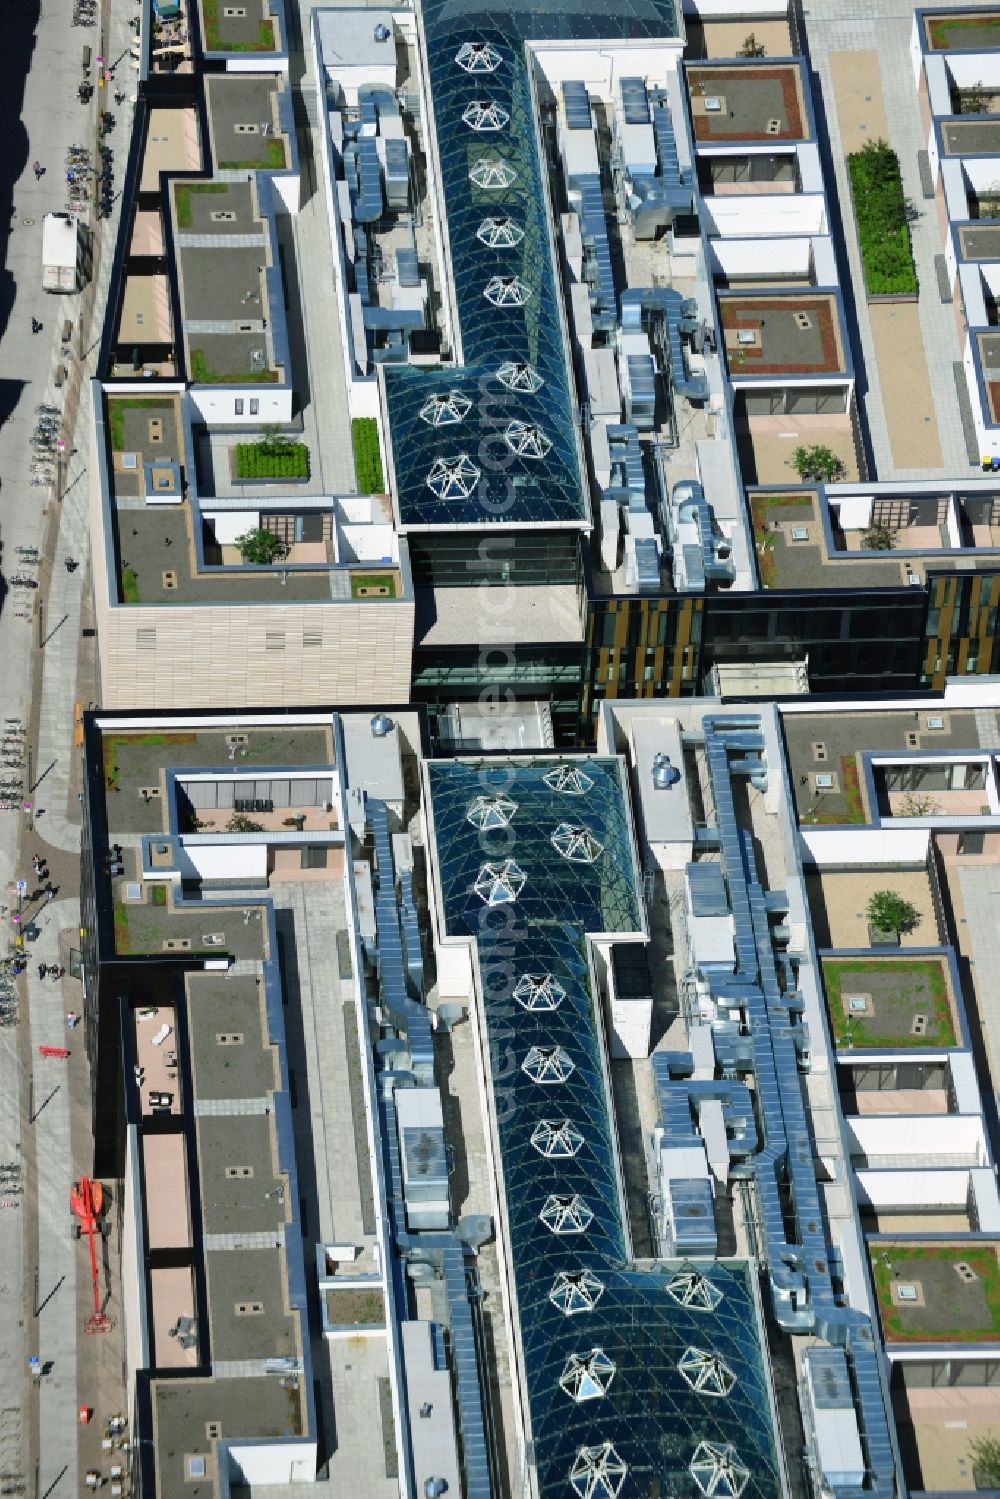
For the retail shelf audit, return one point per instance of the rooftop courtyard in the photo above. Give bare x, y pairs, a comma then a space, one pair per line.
787, 335
937, 1293
890, 1002
739, 102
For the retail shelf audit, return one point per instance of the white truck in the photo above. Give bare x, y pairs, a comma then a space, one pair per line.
60, 253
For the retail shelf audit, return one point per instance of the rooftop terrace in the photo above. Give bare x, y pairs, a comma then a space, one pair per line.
973, 30
244, 120
747, 102
794, 334
254, 26
937, 1293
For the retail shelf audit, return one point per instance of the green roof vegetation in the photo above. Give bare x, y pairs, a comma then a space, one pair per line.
882, 215
953, 1308
183, 193
202, 375
130, 586
256, 460
848, 806
355, 1308
116, 414
214, 42
274, 159
898, 990
367, 458
368, 585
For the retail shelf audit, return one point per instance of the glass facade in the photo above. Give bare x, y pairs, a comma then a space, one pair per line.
460, 559
608, 1350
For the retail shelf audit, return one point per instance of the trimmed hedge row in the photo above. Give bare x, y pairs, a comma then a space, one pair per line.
367, 458
883, 230
254, 461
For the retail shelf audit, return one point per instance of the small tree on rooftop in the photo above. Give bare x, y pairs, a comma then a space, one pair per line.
240, 823
272, 440
261, 547
752, 47
878, 539
974, 100
818, 464
890, 912
985, 1453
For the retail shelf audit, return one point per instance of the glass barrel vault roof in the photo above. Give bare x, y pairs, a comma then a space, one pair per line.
498, 173
652, 1411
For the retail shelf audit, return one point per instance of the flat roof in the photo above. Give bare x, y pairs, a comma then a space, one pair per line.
975, 137
257, 29
988, 347
792, 334
979, 241
747, 102
244, 121
966, 30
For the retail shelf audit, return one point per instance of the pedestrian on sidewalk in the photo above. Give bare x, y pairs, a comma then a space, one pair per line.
38, 170
42, 970
36, 326
49, 892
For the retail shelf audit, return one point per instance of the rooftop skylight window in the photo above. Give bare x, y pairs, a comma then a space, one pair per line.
568, 780
706, 1372
717, 1469
506, 291
534, 992
478, 57
445, 409
500, 884
499, 232
575, 1291
576, 844
490, 812
526, 440
548, 1064
692, 1289
565, 1213
484, 115
587, 1376
453, 478
492, 174
514, 375
598, 1472
556, 1137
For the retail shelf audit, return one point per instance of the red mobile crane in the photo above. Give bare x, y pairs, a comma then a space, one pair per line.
86, 1199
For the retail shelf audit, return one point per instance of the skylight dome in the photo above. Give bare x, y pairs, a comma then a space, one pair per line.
556, 1137
490, 812
565, 1214
539, 993
478, 57
576, 1291
598, 1472
484, 115
690, 1288
514, 375
499, 232
567, 780
499, 884
453, 478
706, 1372
526, 440
577, 844
506, 291
716, 1469
445, 409
587, 1376
492, 174
548, 1064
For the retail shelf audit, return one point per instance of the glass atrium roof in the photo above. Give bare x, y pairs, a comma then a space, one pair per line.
639, 1381
487, 147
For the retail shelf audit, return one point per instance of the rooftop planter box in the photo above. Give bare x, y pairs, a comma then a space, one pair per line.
256, 462
367, 457
883, 228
